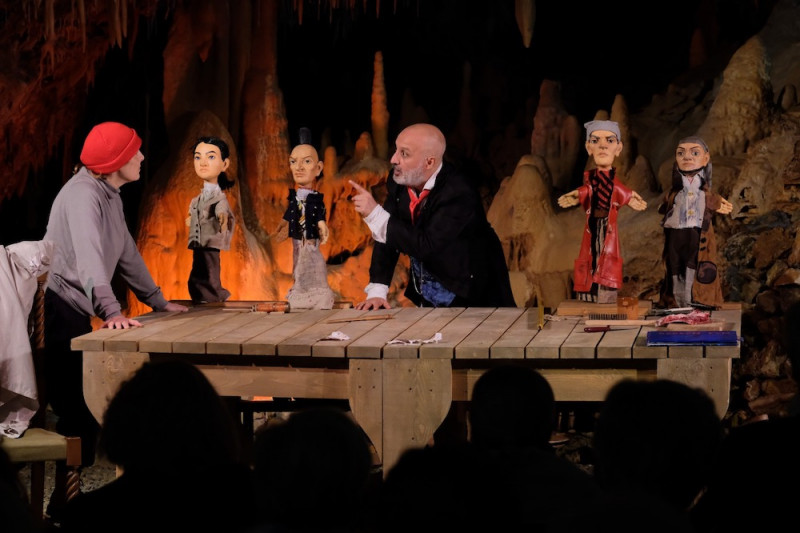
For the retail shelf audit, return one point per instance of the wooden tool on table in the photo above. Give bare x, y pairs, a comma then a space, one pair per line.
271, 307
359, 318
595, 329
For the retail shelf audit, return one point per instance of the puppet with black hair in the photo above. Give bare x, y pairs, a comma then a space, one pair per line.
210, 221
690, 247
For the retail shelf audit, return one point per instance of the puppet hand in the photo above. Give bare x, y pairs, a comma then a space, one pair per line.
223, 222
323, 232
569, 199
188, 221
362, 199
281, 233
725, 208
637, 202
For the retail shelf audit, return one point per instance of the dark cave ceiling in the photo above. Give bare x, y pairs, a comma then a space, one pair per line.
57, 87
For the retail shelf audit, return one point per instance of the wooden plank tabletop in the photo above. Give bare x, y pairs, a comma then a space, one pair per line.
467, 333
372, 344
478, 343
547, 343
580, 344
618, 343
303, 342
733, 316
197, 341
232, 342
361, 325
642, 351
128, 339
433, 323
454, 332
266, 343
163, 340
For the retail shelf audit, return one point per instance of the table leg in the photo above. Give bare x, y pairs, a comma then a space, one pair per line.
417, 394
103, 373
710, 374
366, 398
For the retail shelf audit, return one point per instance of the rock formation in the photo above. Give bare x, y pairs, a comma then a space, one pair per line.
220, 77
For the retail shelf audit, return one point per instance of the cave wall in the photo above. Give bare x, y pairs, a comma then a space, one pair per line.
252, 72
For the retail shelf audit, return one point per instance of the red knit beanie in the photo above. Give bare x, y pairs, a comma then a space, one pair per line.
109, 146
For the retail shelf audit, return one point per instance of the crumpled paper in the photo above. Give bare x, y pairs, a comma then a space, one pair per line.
435, 338
336, 336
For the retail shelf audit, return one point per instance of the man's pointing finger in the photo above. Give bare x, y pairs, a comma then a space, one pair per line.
358, 187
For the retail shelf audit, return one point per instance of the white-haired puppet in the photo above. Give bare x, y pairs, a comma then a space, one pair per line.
598, 269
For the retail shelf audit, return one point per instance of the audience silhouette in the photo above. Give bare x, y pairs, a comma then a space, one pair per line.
512, 406
657, 446
506, 478
755, 483
312, 473
656, 438
628, 512
178, 448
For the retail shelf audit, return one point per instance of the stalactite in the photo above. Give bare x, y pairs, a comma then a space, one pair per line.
48, 59
380, 112
525, 12
123, 7
49, 20
113, 21
82, 22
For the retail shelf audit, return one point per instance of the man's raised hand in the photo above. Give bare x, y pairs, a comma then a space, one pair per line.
362, 199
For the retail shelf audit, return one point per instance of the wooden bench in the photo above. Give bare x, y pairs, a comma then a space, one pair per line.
38, 445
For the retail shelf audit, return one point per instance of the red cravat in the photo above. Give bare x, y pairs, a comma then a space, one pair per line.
415, 201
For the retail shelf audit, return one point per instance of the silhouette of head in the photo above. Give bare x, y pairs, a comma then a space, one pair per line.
658, 437
168, 418
512, 406
318, 460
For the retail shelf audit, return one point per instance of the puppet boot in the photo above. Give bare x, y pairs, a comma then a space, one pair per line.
679, 291
688, 283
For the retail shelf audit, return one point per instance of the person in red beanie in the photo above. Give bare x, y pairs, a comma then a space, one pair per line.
92, 241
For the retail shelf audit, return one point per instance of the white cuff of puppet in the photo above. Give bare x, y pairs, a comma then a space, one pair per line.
377, 290
378, 220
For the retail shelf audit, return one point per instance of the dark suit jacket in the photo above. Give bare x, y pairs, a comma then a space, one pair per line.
452, 239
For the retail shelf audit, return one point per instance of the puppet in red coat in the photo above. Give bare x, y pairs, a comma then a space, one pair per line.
598, 268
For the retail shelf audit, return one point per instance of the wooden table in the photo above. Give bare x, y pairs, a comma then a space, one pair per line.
398, 393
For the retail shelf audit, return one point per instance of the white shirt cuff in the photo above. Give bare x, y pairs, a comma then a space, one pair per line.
377, 290
378, 220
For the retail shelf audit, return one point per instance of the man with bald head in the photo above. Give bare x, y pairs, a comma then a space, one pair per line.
435, 216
